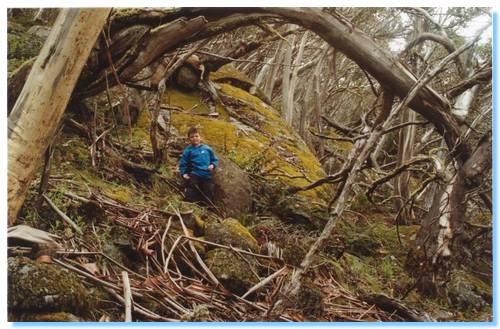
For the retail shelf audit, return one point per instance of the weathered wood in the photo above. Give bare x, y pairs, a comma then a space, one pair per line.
482, 76
127, 296
41, 104
32, 235
153, 45
444, 229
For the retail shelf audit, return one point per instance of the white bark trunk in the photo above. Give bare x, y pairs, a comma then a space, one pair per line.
287, 77
272, 78
41, 104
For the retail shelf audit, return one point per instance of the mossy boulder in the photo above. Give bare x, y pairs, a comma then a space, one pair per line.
232, 188
119, 246
251, 134
362, 245
235, 274
229, 74
467, 292
231, 233
310, 300
298, 209
46, 317
46, 287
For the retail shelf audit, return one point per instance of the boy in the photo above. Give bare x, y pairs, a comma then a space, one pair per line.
197, 164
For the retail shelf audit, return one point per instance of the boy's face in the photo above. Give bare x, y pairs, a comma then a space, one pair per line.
195, 139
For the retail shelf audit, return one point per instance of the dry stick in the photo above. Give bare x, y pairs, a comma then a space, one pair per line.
404, 167
163, 240
112, 289
62, 215
246, 261
264, 282
193, 249
87, 275
165, 267
44, 182
127, 296
226, 247
293, 287
141, 309
68, 252
244, 60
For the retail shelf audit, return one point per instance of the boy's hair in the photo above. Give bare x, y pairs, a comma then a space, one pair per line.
192, 131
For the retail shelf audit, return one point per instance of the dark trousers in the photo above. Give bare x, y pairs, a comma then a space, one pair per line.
199, 190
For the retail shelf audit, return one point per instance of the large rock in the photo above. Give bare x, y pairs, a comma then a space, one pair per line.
232, 188
37, 287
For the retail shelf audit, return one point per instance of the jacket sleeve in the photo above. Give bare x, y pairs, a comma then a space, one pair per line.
183, 165
213, 158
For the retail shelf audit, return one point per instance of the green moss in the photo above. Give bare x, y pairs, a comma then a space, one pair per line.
310, 300
49, 317
229, 71
73, 152
376, 238
186, 100
254, 103
144, 118
234, 273
21, 47
361, 277
360, 203
38, 286
112, 190
231, 232
219, 134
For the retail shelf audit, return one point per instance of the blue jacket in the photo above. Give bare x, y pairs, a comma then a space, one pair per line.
195, 161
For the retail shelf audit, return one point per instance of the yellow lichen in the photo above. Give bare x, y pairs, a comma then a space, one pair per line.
231, 232
229, 71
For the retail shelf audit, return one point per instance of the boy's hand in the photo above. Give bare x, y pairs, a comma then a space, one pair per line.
211, 167
186, 176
